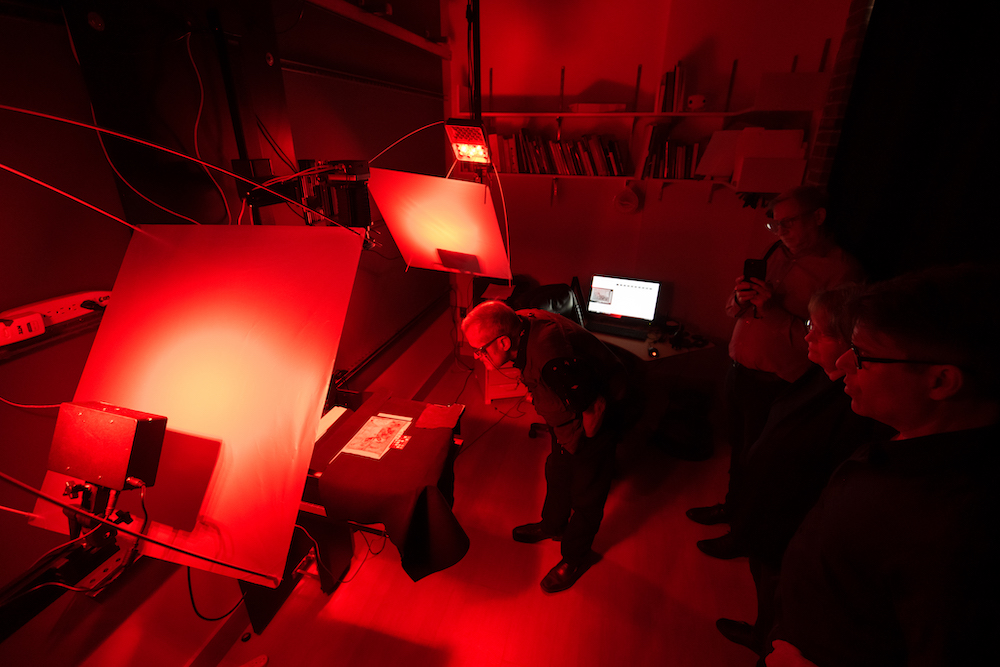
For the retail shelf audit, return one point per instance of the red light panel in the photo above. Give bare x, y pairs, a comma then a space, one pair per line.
231, 333
431, 218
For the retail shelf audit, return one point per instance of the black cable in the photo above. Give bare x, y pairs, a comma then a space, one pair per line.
316, 547
465, 446
274, 145
368, 553
76, 510
464, 385
195, 607
302, 11
469, 17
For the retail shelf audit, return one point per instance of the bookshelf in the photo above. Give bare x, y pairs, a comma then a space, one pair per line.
644, 145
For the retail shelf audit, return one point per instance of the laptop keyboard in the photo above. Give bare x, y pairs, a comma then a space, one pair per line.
623, 330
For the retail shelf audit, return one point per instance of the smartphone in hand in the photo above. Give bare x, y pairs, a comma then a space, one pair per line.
755, 268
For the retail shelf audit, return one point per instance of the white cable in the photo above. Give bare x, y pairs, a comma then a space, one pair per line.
21, 512
506, 222
197, 120
100, 139
437, 122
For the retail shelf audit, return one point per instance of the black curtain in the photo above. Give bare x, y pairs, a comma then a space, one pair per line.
915, 178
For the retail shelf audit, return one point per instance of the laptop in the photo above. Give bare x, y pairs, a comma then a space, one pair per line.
622, 306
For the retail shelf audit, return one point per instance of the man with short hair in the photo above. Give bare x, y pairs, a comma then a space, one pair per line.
579, 387
896, 564
768, 347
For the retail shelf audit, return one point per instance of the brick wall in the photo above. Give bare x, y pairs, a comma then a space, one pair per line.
828, 134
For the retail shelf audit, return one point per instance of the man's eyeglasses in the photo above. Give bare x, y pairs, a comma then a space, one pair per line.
480, 352
785, 223
859, 358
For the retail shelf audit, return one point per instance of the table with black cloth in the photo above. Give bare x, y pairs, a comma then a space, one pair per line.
408, 490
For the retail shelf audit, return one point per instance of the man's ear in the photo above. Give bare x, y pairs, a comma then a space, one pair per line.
819, 215
504, 343
947, 380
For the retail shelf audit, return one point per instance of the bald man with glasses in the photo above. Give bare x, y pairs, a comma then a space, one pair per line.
581, 389
896, 564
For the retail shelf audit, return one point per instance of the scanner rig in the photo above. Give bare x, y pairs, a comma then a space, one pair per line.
336, 189
114, 449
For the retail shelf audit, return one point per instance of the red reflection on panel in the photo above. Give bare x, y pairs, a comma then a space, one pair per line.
442, 224
230, 333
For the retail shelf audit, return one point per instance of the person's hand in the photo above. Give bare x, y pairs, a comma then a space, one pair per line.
786, 655
761, 293
745, 291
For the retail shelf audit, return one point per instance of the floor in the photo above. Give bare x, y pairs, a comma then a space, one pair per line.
652, 599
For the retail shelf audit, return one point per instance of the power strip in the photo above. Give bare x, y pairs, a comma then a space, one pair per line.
22, 326
32, 320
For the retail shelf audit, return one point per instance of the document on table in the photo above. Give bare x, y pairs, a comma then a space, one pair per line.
378, 434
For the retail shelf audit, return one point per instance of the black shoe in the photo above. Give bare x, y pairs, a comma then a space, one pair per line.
534, 532
709, 516
563, 575
724, 547
740, 632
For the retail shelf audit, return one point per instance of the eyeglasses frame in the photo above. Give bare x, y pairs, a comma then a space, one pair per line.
775, 226
480, 352
859, 359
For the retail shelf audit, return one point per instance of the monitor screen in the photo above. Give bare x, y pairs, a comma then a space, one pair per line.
623, 297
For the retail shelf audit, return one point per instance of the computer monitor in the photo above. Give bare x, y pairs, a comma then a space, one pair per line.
623, 297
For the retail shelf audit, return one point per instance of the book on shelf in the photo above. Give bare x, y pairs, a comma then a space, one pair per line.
597, 154
678, 87
589, 168
573, 164
545, 164
496, 156
590, 155
617, 152
556, 158
656, 151
527, 153
641, 151
665, 93
661, 157
512, 166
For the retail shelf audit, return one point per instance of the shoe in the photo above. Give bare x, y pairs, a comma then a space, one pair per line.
709, 516
724, 547
740, 632
562, 576
534, 532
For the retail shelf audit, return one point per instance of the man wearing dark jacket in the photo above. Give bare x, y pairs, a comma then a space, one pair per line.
580, 388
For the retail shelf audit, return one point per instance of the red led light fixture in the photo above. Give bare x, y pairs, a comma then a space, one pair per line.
467, 141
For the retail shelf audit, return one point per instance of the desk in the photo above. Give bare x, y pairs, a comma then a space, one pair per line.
409, 490
678, 389
640, 348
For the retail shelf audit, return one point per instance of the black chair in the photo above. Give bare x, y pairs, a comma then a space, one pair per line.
557, 298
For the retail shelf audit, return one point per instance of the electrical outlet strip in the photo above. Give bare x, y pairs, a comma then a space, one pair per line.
22, 326
61, 308
32, 320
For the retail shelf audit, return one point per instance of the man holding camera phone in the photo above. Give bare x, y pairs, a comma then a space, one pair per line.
768, 349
